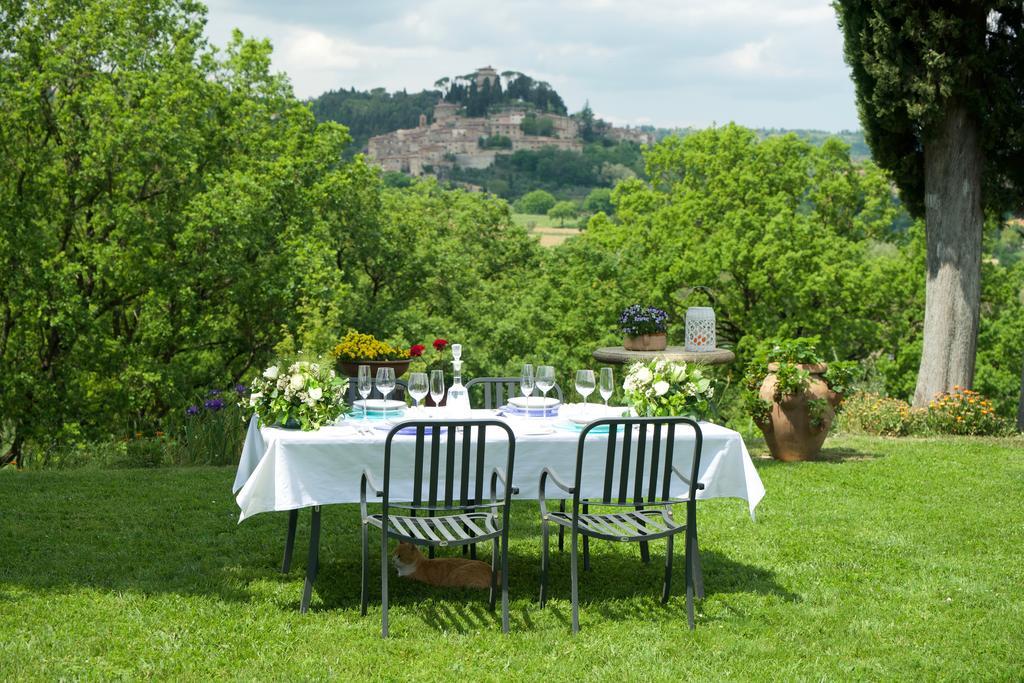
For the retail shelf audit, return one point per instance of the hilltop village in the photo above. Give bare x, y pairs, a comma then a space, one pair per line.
454, 138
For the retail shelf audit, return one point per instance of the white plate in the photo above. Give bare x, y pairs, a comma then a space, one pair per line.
534, 402
378, 404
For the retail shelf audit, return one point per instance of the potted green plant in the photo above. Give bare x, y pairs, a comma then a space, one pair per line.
356, 349
661, 388
302, 395
644, 328
793, 395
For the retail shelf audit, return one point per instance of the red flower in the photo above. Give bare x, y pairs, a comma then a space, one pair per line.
440, 344
416, 350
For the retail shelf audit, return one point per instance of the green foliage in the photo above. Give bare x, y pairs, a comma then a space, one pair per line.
511, 88
599, 199
867, 413
563, 210
495, 142
537, 125
535, 202
790, 381
376, 112
816, 410
802, 350
841, 375
910, 60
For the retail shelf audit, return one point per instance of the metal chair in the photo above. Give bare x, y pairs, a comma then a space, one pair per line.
462, 520
495, 391
638, 484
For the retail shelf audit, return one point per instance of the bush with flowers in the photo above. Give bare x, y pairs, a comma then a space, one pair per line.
356, 346
965, 412
869, 413
308, 394
662, 388
427, 359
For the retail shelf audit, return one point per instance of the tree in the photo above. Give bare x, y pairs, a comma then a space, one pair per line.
599, 199
562, 210
939, 88
536, 202
161, 213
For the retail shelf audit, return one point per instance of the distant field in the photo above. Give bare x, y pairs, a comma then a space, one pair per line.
548, 230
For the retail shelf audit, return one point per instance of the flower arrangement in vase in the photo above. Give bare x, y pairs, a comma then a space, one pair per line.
306, 395
644, 328
356, 349
661, 388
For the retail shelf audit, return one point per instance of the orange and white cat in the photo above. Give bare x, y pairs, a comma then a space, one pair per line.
443, 571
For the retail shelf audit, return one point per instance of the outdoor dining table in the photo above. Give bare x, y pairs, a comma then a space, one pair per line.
287, 470
284, 469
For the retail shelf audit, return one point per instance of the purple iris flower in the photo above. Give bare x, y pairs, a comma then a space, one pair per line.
214, 404
192, 410
214, 392
241, 389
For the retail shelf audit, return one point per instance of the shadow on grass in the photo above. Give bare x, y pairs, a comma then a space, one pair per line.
834, 456
618, 586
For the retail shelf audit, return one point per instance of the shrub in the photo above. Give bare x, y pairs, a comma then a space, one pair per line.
868, 413
965, 412
212, 431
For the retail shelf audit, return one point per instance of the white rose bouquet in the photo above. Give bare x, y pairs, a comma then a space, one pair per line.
665, 388
307, 395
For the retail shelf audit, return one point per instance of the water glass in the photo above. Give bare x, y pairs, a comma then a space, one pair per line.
365, 386
437, 386
386, 384
526, 384
585, 384
607, 386
418, 388
545, 381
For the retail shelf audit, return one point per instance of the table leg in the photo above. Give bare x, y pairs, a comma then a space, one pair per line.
289, 541
314, 559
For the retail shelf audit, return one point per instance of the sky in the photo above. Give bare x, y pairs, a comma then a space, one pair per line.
769, 63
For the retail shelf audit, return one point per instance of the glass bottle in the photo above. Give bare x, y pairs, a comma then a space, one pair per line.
458, 396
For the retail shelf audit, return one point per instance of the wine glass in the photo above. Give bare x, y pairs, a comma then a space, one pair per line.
584, 385
365, 386
545, 381
607, 386
526, 384
437, 386
386, 384
418, 388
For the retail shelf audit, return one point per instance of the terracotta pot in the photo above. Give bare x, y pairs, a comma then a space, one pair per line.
351, 369
656, 341
788, 431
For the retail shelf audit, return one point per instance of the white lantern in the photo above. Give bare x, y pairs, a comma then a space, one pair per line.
700, 329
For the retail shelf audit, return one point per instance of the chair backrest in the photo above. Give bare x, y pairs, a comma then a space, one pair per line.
494, 392
441, 466
352, 393
640, 467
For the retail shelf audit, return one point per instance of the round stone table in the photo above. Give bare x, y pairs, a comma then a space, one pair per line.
620, 356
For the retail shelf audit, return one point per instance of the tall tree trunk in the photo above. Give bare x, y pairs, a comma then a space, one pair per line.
954, 219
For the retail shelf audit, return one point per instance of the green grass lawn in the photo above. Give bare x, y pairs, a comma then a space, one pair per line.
888, 559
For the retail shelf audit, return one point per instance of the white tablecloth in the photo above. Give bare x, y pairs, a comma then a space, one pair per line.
289, 469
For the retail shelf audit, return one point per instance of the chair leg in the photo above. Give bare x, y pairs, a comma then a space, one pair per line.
504, 582
688, 562
493, 597
314, 559
364, 596
384, 581
289, 541
666, 589
698, 568
575, 587
561, 529
544, 543
586, 544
